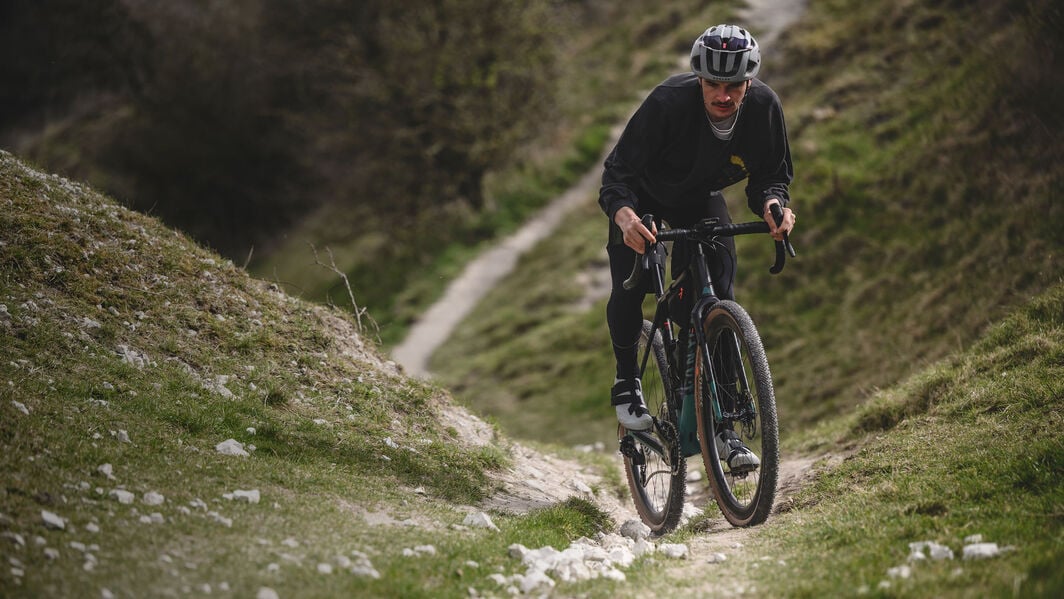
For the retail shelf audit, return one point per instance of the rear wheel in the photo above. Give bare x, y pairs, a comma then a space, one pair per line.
733, 391
656, 473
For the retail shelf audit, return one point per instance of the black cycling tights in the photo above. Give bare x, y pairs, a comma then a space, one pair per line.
624, 312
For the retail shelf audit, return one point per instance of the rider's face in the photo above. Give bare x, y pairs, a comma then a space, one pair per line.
723, 99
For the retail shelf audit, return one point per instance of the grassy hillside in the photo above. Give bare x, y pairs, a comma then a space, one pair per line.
608, 52
927, 154
128, 354
967, 447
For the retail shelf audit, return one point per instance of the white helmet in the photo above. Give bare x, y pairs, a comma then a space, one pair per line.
726, 53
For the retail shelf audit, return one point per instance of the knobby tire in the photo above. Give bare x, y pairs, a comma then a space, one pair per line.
657, 489
745, 499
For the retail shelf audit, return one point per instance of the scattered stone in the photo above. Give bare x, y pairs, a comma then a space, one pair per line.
198, 504
673, 550
50, 553
153, 498
227, 522
53, 521
123, 436
251, 496
902, 571
250, 430
717, 558
77, 546
937, 552
479, 520
419, 550
325, 568
981, 550
267, 593
106, 470
123, 496
973, 539
694, 476
321, 421
106, 594
231, 447
388, 441
635, 530
15, 538
21, 407
290, 542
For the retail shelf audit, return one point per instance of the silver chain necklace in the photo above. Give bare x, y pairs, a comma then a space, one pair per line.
727, 126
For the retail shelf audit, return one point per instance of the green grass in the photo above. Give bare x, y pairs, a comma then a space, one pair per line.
920, 224
112, 324
969, 446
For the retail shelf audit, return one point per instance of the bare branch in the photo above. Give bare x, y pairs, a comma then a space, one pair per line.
359, 312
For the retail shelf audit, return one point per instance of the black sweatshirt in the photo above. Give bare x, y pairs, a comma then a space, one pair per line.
668, 154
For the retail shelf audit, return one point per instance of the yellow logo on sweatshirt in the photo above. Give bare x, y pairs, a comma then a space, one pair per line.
738, 161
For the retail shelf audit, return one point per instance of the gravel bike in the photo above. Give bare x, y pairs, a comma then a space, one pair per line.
711, 378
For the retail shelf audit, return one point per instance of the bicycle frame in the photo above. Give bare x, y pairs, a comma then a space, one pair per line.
697, 269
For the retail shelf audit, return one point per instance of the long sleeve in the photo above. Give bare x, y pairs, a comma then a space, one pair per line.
640, 143
774, 171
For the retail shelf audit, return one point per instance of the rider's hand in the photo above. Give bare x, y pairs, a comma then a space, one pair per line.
788, 220
636, 235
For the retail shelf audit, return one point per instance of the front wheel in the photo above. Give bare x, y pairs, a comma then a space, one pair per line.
656, 473
733, 388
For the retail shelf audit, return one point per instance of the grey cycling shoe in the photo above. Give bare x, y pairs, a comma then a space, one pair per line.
733, 451
632, 413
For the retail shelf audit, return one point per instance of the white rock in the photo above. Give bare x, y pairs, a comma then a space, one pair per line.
934, 550
227, 522
320, 421
643, 547
250, 496
717, 558
92, 527
123, 496
266, 593
388, 441
635, 530
106, 594
231, 447
123, 436
53, 521
902, 571
77, 546
364, 570
198, 503
106, 470
324, 568
290, 542
694, 476
479, 520
973, 539
981, 550
273, 567
52, 554
153, 498
250, 430
673, 550
15, 538
21, 407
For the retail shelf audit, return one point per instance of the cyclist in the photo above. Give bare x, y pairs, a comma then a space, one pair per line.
695, 134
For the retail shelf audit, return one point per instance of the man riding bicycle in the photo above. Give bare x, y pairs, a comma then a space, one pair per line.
694, 135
